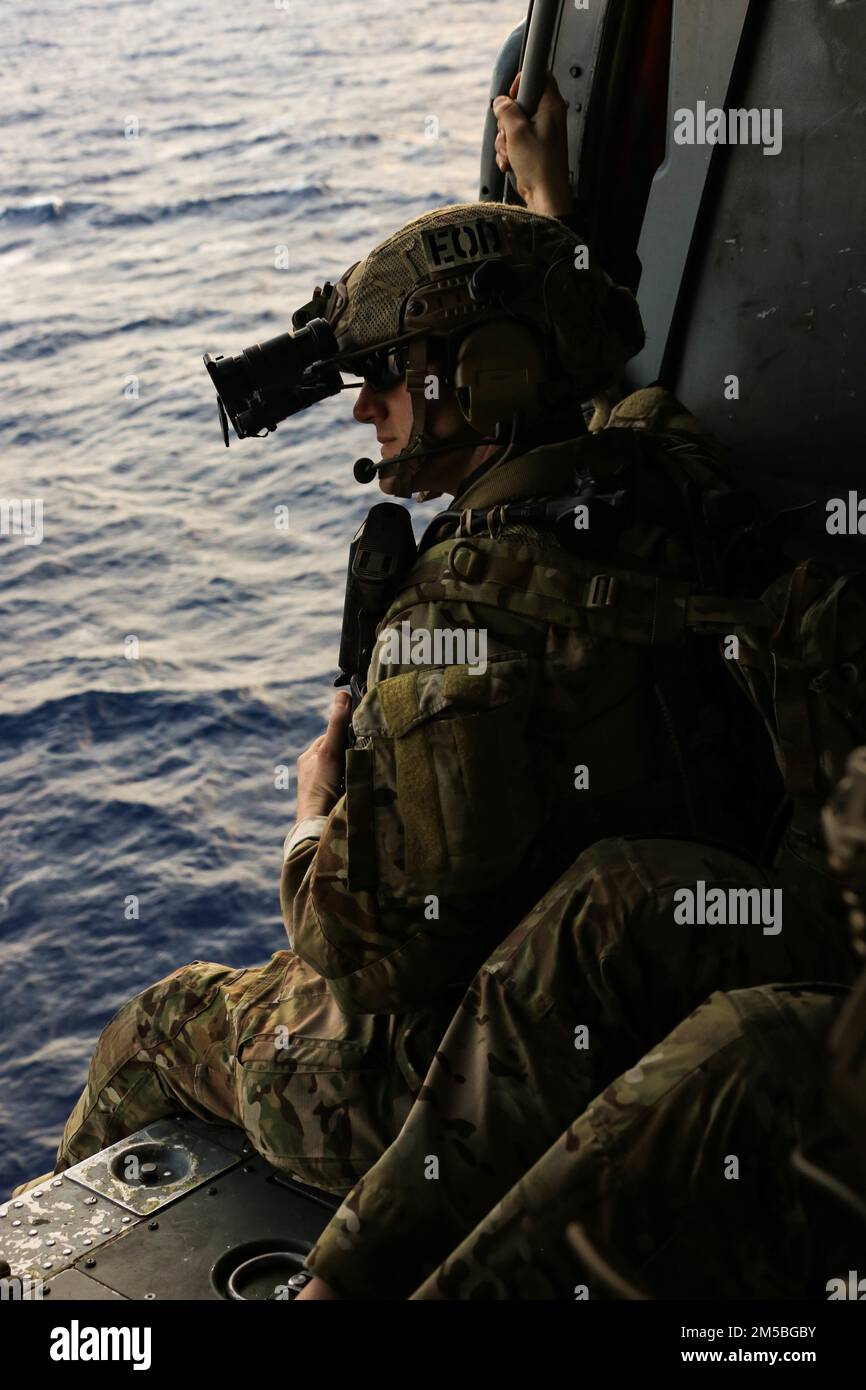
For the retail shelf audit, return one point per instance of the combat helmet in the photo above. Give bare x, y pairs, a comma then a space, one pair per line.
513, 308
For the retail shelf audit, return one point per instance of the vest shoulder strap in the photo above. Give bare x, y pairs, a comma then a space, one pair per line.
605, 601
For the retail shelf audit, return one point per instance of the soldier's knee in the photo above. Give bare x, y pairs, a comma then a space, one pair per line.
159, 1012
608, 916
594, 886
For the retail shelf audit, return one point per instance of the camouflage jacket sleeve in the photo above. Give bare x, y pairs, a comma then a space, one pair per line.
404, 892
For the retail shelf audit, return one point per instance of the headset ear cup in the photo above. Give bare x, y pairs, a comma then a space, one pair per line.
499, 370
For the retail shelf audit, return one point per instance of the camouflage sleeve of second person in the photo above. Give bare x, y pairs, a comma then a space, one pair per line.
424, 863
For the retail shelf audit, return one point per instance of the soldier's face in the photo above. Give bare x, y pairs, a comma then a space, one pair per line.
391, 412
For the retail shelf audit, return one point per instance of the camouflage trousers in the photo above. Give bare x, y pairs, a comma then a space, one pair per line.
319, 1094
678, 1180
589, 983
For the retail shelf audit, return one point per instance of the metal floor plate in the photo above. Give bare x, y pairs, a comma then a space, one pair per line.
158, 1164
178, 1210
52, 1225
179, 1255
74, 1287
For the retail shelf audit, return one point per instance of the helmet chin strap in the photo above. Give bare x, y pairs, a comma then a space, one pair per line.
406, 466
410, 463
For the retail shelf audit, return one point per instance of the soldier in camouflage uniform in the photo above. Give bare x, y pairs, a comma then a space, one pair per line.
467, 792
572, 1010
678, 1173
677, 1181
640, 1193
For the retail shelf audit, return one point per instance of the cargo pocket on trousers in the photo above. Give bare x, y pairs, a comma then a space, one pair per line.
319, 1108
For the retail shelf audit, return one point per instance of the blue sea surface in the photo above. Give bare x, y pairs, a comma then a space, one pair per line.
166, 647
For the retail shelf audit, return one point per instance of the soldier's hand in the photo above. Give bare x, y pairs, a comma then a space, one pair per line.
536, 150
321, 766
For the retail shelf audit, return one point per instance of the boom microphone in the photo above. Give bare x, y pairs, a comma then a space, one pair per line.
365, 470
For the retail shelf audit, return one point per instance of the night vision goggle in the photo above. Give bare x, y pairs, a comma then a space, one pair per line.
271, 381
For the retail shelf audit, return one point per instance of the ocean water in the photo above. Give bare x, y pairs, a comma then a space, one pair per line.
160, 157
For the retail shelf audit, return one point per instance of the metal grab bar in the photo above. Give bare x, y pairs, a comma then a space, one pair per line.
543, 21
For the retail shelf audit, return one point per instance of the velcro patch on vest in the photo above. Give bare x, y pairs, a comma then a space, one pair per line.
464, 242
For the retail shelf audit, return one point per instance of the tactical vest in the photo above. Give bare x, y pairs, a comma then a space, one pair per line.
504, 557
798, 652
622, 476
